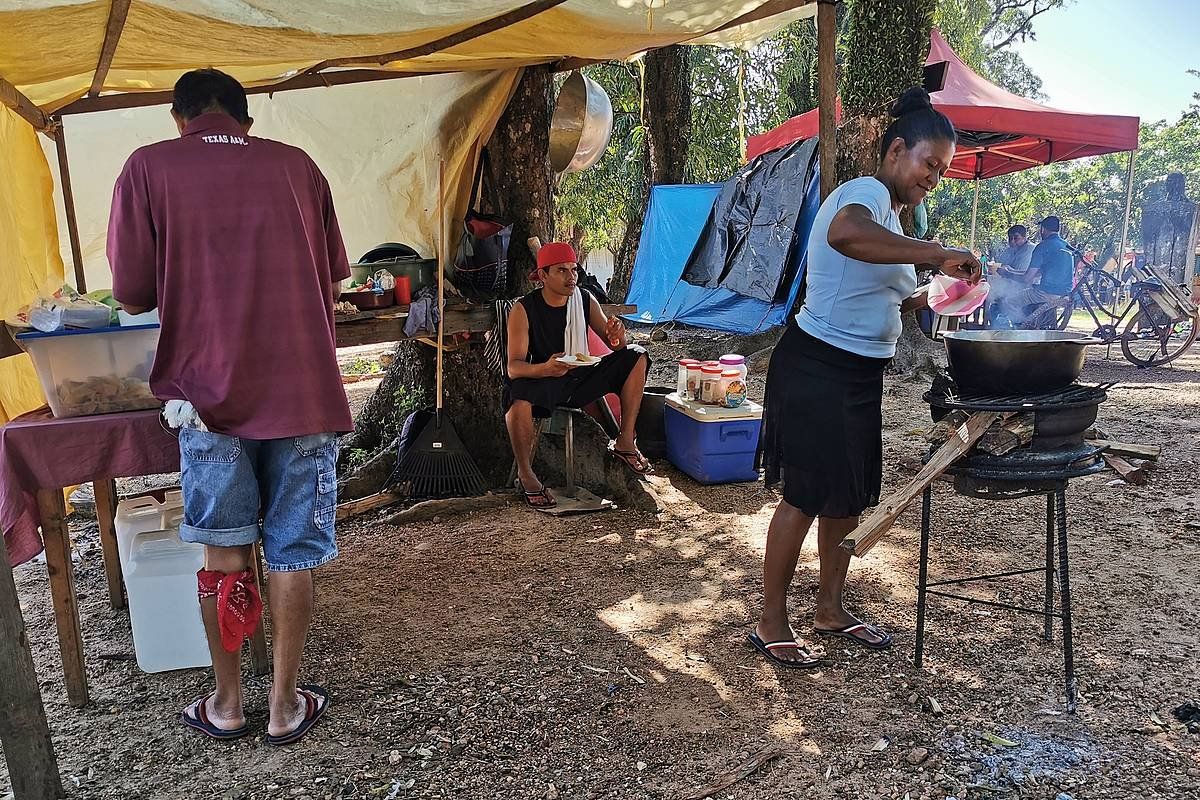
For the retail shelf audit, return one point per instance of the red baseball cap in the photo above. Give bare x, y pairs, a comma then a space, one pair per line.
555, 253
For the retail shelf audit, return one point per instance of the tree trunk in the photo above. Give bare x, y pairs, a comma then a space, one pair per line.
885, 47
668, 125
521, 172
519, 151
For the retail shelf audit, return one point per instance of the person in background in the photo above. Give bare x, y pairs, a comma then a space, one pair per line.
1008, 277
234, 240
823, 423
1050, 277
544, 326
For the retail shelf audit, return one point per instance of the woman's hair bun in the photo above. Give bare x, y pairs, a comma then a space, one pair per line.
913, 99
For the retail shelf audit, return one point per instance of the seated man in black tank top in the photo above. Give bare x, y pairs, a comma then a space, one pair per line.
539, 381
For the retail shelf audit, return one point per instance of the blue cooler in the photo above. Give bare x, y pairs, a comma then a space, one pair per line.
712, 444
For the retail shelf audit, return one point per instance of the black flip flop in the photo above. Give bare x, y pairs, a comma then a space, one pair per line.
313, 712
202, 723
848, 633
636, 461
531, 496
765, 648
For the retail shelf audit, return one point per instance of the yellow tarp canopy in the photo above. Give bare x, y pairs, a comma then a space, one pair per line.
378, 143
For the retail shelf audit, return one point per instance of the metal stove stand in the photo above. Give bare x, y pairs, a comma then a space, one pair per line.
975, 478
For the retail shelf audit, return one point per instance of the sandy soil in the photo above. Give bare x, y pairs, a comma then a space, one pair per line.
506, 655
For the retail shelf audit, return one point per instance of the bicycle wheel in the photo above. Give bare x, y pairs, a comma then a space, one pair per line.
1064, 316
1148, 343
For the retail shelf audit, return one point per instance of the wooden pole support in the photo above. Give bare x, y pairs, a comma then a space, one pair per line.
105, 491
24, 733
872, 529
62, 591
64, 177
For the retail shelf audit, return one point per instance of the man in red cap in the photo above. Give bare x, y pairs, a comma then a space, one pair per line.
549, 365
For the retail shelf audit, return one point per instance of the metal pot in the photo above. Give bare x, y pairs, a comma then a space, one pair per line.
1015, 362
581, 125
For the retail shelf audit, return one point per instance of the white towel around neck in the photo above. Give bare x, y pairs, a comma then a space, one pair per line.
575, 339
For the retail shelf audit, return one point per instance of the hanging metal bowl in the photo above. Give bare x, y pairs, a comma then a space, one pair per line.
581, 125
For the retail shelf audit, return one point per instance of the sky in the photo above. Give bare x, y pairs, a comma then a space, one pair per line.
1118, 56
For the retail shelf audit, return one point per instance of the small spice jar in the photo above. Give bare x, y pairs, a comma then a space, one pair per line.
732, 390
694, 375
681, 383
734, 361
710, 385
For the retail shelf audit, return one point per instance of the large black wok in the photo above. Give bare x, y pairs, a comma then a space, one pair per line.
1015, 362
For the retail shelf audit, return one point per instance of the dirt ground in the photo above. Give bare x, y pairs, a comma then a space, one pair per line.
509, 655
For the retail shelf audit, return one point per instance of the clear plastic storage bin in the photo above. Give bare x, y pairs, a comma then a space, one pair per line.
94, 371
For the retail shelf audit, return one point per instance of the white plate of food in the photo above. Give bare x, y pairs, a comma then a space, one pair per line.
580, 360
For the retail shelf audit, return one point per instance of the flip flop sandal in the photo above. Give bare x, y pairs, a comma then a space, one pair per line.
313, 712
766, 649
849, 632
634, 460
202, 723
530, 497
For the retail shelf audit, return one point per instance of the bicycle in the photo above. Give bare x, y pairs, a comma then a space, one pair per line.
1162, 329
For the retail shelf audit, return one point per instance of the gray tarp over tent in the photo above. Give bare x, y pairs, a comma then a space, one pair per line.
749, 242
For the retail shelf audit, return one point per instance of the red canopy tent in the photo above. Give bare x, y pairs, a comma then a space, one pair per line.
999, 132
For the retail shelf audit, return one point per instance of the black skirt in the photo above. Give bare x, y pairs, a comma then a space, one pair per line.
822, 433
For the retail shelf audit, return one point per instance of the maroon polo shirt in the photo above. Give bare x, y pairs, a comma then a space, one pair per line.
234, 239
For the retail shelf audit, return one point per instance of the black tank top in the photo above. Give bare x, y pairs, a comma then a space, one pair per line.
548, 325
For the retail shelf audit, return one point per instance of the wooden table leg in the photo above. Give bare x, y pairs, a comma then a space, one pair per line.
32, 768
260, 659
62, 591
105, 490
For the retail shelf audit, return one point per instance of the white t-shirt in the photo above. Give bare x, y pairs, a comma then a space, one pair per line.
851, 304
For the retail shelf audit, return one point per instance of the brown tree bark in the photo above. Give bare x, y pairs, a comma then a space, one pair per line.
521, 171
886, 42
519, 151
668, 122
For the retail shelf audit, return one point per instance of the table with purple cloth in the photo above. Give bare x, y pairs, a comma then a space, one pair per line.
39, 457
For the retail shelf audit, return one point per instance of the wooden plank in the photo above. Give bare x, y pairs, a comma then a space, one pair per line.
24, 732
260, 658
117, 13
519, 14
827, 93
24, 107
352, 508
62, 592
114, 101
872, 529
64, 179
1127, 471
1150, 452
387, 325
105, 491
770, 8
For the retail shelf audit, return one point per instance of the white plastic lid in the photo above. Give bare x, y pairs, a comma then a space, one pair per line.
733, 358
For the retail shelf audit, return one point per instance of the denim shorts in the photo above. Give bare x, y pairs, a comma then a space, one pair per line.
284, 490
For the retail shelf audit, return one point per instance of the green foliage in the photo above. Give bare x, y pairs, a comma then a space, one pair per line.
1089, 194
779, 82
980, 31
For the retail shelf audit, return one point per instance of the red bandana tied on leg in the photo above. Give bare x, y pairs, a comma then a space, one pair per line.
239, 605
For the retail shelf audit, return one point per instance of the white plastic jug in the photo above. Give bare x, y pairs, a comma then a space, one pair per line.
160, 578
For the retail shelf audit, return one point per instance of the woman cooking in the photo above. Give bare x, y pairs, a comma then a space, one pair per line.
823, 431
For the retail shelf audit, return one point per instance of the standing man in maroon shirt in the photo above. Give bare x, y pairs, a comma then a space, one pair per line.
234, 240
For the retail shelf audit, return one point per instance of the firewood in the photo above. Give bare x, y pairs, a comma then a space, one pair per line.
945, 428
1130, 473
872, 529
1007, 436
352, 508
1150, 452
